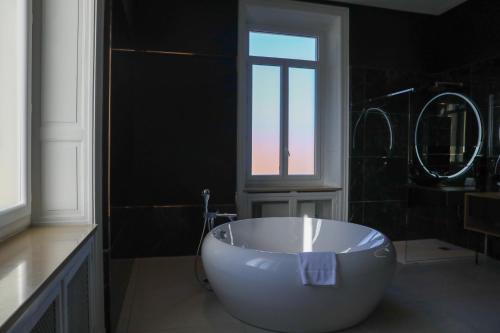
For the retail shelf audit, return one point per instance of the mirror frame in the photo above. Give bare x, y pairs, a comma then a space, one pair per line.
479, 141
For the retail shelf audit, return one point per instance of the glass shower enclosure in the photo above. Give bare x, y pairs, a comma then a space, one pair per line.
414, 156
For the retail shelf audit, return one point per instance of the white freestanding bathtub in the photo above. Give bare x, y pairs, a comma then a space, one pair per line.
252, 267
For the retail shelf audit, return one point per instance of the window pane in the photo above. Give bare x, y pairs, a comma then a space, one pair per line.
301, 121
282, 46
11, 106
266, 120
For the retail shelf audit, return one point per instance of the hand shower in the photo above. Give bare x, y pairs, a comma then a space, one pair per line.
208, 224
206, 197
205, 194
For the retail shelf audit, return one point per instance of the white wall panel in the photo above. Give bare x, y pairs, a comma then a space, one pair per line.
63, 125
291, 204
60, 176
59, 60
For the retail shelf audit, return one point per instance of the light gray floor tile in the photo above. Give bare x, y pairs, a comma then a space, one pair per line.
455, 297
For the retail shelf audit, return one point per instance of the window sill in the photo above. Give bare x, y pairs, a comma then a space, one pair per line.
29, 262
13, 220
8, 210
286, 189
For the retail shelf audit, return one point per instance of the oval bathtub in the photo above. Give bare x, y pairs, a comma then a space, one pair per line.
252, 267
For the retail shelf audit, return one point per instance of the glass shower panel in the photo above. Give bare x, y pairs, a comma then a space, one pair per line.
380, 155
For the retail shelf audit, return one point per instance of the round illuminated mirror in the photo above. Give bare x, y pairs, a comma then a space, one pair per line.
448, 135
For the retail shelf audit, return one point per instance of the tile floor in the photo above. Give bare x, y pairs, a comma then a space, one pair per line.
457, 296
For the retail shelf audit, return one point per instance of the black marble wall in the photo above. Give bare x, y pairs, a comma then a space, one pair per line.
466, 34
388, 42
173, 121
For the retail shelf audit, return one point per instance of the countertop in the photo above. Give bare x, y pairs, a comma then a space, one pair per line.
30, 259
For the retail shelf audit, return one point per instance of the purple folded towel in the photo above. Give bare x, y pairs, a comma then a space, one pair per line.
318, 268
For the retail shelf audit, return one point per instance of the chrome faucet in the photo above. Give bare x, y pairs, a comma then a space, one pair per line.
209, 217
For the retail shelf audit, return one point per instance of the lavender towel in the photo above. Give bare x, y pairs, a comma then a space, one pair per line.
317, 268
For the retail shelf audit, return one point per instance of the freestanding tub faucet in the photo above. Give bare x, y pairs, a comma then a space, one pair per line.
209, 217
208, 223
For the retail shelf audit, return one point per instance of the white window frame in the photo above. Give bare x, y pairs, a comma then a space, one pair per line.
17, 217
284, 64
330, 24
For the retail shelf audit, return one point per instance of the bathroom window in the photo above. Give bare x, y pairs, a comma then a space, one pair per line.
283, 104
293, 101
14, 138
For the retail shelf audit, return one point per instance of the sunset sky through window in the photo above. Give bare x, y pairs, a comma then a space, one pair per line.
266, 104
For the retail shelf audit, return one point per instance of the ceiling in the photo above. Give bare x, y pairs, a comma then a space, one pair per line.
433, 7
